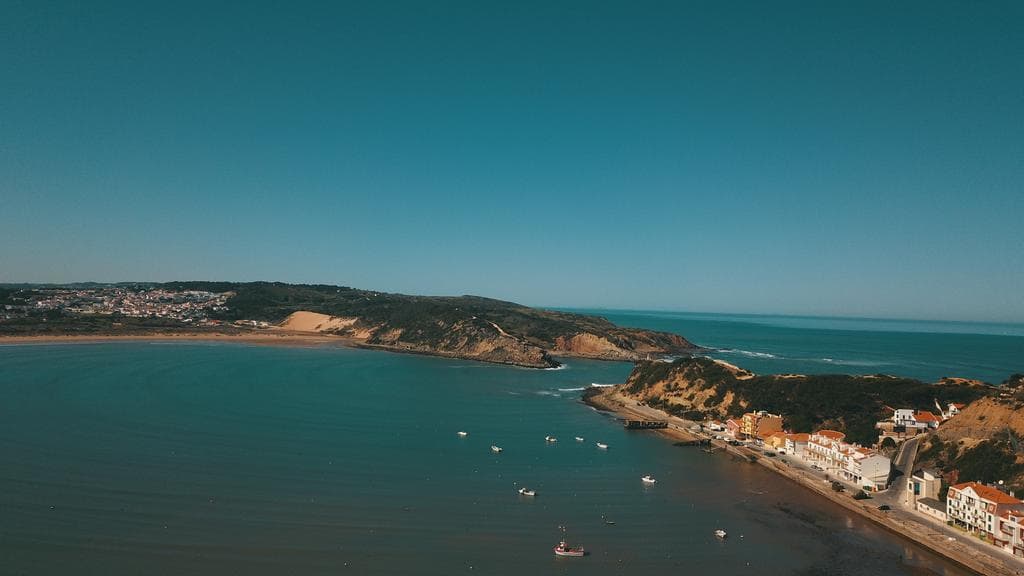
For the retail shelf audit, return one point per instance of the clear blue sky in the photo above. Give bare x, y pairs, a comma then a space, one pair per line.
845, 158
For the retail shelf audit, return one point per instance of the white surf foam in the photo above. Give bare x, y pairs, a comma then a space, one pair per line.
747, 353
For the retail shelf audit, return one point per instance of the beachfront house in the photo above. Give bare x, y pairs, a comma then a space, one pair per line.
1010, 536
759, 424
933, 508
774, 440
860, 466
734, 428
867, 469
823, 449
924, 483
796, 444
981, 509
954, 409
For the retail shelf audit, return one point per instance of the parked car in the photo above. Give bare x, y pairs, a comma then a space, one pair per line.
884, 507
816, 467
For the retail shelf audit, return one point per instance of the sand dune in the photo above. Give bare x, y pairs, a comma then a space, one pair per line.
314, 322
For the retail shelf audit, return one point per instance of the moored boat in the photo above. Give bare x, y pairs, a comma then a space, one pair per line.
563, 549
579, 439
721, 534
463, 434
496, 449
648, 479
602, 446
524, 491
550, 439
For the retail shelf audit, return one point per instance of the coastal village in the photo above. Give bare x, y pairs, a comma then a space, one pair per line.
186, 306
991, 513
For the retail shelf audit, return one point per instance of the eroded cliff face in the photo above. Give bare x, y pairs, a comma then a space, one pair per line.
985, 442
622, 344
701, 387
687, 386
1002, 411
482, 339
472, 339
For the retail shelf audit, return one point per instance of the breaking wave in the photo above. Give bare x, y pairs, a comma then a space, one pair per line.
548, 393
746, 353
865, 363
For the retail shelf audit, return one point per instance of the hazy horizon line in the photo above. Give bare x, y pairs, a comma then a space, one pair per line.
626, 308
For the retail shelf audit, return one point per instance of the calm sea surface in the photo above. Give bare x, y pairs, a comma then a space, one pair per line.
223, 459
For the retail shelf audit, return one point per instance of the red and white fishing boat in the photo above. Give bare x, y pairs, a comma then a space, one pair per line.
564, 549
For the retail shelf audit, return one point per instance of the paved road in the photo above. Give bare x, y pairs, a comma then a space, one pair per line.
904, 462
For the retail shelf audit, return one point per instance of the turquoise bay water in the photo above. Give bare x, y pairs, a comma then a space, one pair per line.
223, 459
927, 350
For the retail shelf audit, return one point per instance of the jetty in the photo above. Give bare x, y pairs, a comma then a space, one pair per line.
644, 424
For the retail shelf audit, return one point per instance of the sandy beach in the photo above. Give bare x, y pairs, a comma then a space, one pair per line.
902, 523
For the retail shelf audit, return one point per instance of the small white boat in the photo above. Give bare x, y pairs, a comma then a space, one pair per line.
648, 479
602, 446
463, 434
550, 439
720, 534
496, 449
527, 492
579, 439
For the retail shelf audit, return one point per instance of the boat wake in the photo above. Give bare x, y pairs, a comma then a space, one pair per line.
580, 389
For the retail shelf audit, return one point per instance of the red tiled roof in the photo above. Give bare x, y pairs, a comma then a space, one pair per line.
988, 493
925, 416
831, 434
799, 437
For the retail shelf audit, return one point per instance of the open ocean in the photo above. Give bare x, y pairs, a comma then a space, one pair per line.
155, 458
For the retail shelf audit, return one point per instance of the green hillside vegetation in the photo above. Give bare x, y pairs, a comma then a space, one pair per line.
988, 461
460, 326
423, 318
852, 404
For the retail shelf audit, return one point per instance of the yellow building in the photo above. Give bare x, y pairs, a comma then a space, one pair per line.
760, 423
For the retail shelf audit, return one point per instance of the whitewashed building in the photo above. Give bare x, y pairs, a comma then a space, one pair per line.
978, 508
861, 466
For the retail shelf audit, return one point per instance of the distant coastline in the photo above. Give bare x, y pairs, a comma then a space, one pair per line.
466, 327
